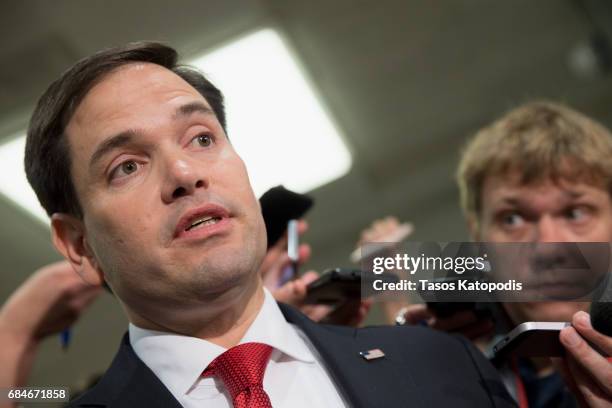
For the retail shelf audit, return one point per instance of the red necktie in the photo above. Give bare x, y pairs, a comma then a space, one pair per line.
241, 369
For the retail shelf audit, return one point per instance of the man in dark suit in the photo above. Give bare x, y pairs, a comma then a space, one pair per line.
128, 154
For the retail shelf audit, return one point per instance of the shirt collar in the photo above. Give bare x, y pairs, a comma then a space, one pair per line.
270, 327
179, 360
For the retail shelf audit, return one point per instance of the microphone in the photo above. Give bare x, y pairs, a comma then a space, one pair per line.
278, 207
601, 317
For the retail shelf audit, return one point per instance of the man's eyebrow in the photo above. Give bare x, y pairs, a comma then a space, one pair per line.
514, 201
114, 142
574, 194
519, 202
193, 107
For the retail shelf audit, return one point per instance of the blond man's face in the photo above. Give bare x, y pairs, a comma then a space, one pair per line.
546, 211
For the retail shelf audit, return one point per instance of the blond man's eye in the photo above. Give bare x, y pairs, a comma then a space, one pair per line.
512, 219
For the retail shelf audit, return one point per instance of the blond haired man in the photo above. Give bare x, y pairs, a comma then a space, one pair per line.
541, 173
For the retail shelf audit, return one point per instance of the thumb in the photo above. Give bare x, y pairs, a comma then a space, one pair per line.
294, 292
309, 277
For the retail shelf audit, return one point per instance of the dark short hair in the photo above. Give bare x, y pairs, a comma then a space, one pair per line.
47, 155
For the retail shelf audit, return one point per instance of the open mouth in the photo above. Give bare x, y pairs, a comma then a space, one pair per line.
207, 219
202, 222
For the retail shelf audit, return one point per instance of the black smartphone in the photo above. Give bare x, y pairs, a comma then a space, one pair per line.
335, 286
278, 207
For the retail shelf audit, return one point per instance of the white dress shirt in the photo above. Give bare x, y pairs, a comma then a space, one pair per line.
294, 377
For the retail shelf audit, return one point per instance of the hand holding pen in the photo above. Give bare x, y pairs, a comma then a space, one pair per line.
277, 258
47, 303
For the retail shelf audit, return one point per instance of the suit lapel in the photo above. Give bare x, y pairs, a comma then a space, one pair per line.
145, 390
379, 382
128, 383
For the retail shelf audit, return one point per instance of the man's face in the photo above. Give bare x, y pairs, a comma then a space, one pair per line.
545, 211
169, 213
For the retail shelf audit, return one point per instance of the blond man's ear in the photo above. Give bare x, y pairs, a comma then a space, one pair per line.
68, 236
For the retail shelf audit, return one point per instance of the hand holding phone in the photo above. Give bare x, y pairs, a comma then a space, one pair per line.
338, 285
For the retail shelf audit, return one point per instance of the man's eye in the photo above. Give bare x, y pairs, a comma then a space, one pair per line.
126, 168
512, 219
203, 140
577, 214
129, 167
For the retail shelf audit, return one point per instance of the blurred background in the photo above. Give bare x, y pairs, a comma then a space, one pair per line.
401, 85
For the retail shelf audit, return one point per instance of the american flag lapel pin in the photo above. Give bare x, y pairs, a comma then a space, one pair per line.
372, 354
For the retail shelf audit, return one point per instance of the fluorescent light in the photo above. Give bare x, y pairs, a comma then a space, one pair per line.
275, 121
13, 181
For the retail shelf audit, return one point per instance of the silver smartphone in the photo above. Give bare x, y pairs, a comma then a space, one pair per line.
532, 339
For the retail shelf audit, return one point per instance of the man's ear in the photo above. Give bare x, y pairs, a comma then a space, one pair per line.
68, 235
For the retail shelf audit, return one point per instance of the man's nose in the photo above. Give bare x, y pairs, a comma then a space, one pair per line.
183, 178
548, 229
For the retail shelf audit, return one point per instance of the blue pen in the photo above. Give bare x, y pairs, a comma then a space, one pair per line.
65, 338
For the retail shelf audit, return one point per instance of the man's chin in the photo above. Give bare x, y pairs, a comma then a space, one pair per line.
546, 311
218, 276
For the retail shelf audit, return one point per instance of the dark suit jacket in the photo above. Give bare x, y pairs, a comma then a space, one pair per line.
421, 368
